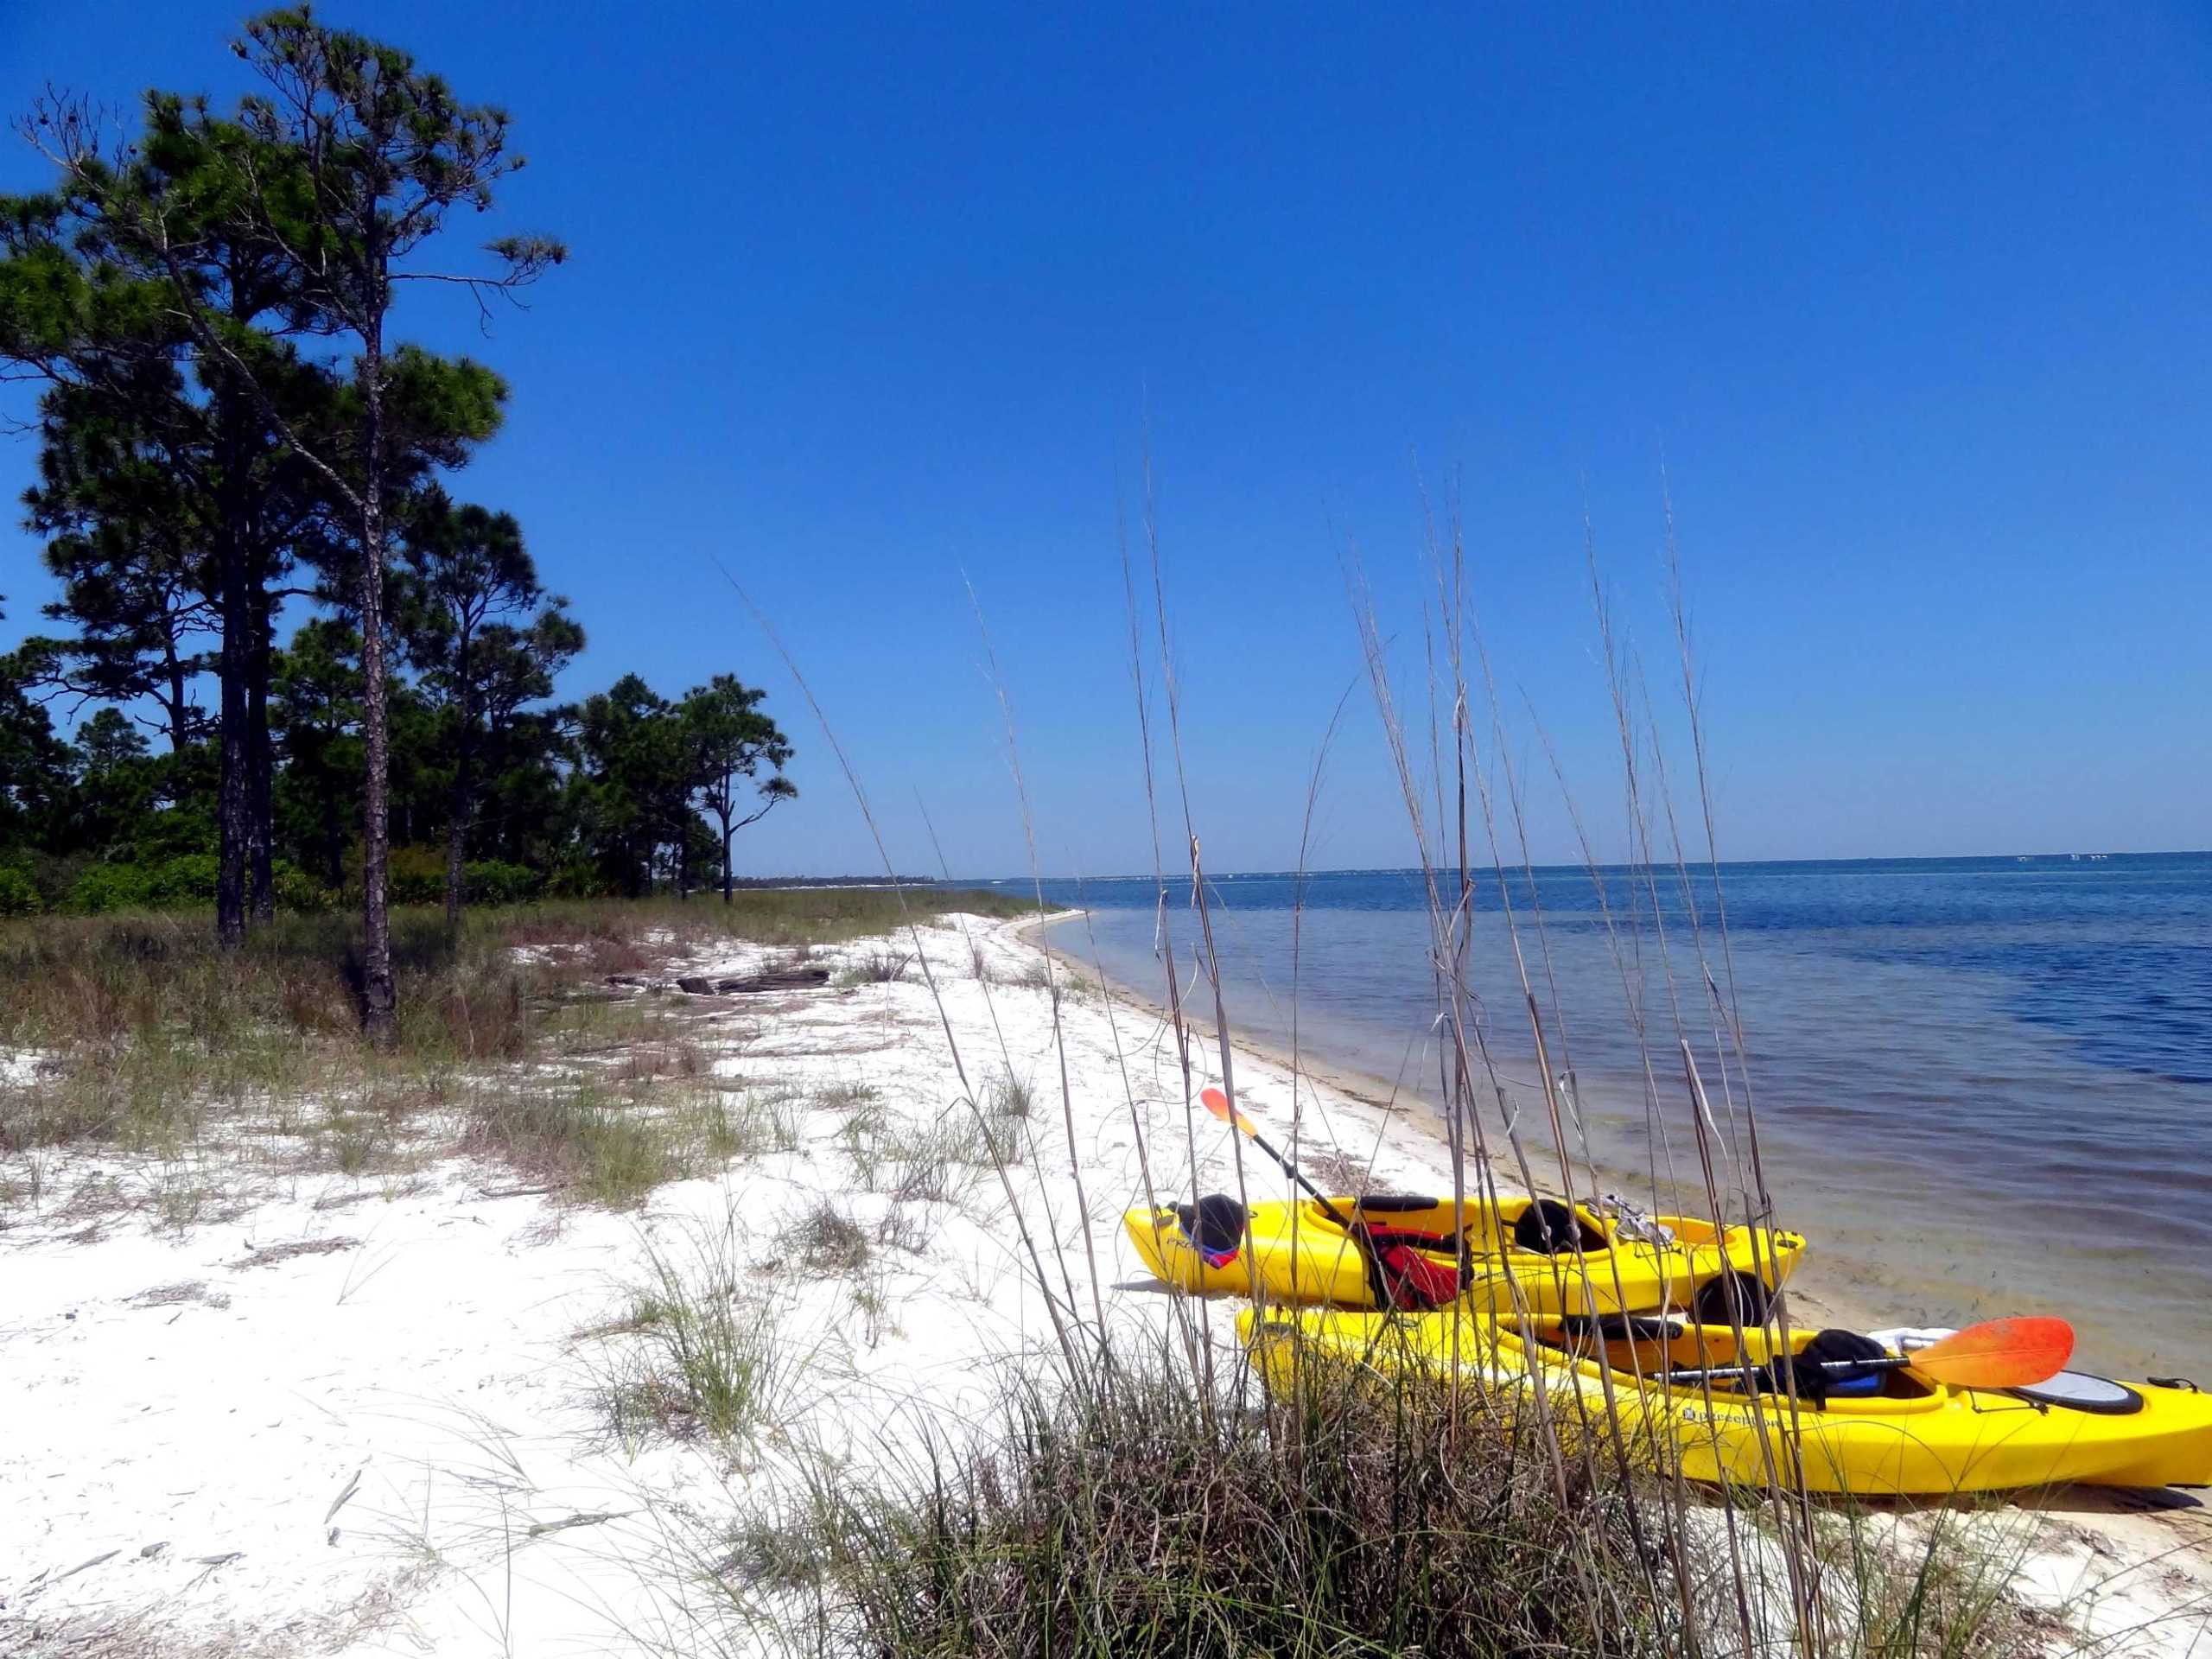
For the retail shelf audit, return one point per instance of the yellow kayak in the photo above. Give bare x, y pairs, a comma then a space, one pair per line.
1894, 1432
1303, 1255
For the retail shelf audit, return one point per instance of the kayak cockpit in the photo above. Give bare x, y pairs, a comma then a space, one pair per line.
1513, 1225
1690, 1360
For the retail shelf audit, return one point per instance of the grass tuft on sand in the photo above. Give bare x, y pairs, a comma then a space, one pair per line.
1136, 1514
1137, 1517
700, 1354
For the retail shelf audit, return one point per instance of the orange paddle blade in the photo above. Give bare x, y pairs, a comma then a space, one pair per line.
2000, 1354
1217, 1104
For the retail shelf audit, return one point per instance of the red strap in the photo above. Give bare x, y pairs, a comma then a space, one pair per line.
1418, 1281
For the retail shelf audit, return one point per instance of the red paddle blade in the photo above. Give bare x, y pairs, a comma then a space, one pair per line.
1217, 1102
2000, 1354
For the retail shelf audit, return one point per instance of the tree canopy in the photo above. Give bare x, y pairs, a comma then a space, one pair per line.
285, 664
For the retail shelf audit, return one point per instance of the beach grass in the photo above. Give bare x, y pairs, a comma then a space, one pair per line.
701, 1352
1135, 1518
1130, 1513
879, 967
137, 1029
577, 1137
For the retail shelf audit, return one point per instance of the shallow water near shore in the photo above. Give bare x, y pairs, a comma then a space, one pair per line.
1983, 1086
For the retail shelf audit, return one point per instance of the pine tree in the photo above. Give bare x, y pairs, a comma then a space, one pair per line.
342, 171
729, 741
124, 530
637, 763
168, 483
486, 637
33, 764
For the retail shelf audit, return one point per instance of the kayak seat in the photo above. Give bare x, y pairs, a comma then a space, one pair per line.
1215, 1224
1548, 1227
1808, 1374
1392, 1203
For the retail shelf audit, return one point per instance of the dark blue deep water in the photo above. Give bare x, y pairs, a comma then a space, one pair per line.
1983, 1084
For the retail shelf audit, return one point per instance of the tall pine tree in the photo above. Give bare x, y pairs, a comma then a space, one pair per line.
339, 173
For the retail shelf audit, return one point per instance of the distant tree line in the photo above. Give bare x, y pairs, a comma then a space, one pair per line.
765, 883
226, 427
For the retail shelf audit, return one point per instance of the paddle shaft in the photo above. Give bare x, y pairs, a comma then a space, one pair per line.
2008, 1353
1886, 1362
1291, 1170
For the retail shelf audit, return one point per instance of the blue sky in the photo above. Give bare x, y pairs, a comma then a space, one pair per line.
1914, 304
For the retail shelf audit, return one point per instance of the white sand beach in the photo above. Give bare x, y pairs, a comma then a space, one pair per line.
257, 1410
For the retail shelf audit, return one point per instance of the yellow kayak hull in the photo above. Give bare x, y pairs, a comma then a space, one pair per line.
1304, 1258
1917, 1436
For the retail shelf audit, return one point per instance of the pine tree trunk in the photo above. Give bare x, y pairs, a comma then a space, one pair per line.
234, 761
261, 830
726, 836
234, 613
380, 995
456, 855
464, 779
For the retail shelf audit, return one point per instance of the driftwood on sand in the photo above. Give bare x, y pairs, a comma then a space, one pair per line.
798, 978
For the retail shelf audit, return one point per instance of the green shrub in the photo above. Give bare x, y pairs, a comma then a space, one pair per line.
299, 891
172, 831
416, 876
578, 879
182, 881
19, 894
53, 875
489, 881
108, 887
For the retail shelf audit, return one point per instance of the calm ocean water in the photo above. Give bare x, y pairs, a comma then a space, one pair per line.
1983, 1086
